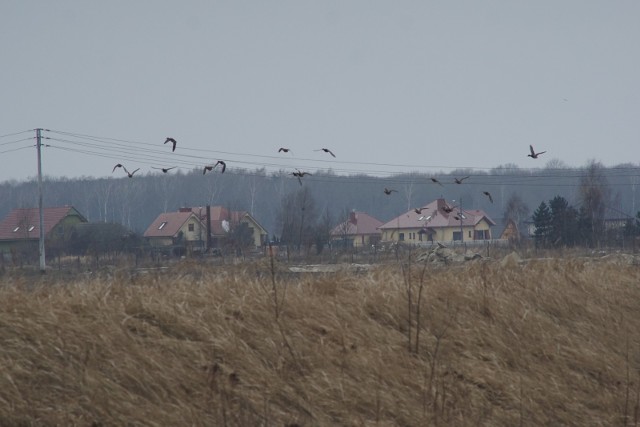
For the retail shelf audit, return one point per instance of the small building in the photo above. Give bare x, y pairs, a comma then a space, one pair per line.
438, 221
20, 229
510, 232
177, 229
360, 230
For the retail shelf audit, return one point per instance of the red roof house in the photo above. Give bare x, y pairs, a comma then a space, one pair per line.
361, 229
190, 225
23, 224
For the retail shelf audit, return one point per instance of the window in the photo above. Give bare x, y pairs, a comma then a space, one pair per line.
401, 237
469, 233
191, 226
161, 226
457, 235
482, 235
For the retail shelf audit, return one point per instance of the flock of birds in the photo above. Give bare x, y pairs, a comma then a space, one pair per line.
301, 174
448, 209
208, 168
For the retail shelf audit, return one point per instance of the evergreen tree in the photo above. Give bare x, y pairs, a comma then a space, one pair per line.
542, 221
564, 222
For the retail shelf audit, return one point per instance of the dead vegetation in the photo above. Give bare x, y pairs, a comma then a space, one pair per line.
542, 342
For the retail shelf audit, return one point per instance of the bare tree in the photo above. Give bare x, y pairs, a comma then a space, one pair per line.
408, 193
595, 196
516, 210
556, 164
297, 218
103, 194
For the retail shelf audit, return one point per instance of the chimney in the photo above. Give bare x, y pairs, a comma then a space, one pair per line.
185, 210
353, 218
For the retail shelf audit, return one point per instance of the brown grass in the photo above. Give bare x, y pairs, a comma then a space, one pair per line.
550, 342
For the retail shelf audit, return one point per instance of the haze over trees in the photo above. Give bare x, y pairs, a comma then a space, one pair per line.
594, 191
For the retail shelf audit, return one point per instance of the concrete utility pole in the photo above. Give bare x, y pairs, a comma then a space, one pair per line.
461, 218
40, 208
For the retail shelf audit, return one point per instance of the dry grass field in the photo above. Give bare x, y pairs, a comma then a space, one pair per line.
542, 342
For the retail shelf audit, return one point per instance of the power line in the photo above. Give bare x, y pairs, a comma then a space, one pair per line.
301, 159
16, 133
240, 158
16, 149
16, 141
151, 154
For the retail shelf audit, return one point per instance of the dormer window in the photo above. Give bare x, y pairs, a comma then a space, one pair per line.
16, 229
161, 226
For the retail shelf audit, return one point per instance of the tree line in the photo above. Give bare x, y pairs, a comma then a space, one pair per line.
301, 211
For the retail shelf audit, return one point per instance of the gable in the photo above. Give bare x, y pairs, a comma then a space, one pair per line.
432, 216
170, 223
24, 223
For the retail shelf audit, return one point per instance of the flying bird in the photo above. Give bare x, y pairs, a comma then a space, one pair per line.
173, 141
284, 150
164, 170
224, 165
326, 150
459, 181
207, 168
486, 193
130, 174
300, 174
533, 154
387, 191
418, 210
437, 182
119, 165
448, 209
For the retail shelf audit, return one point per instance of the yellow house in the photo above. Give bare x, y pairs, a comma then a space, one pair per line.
438, 221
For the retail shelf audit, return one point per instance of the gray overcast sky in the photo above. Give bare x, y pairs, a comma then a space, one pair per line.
417, 85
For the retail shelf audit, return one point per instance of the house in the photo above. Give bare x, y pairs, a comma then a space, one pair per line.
433, 223
188, 228
360, 230
177, 229
20, 229
224, 222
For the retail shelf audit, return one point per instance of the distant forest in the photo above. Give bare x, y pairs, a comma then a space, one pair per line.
135, 202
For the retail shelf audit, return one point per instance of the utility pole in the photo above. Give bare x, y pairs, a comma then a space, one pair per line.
40, 208
461, 218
